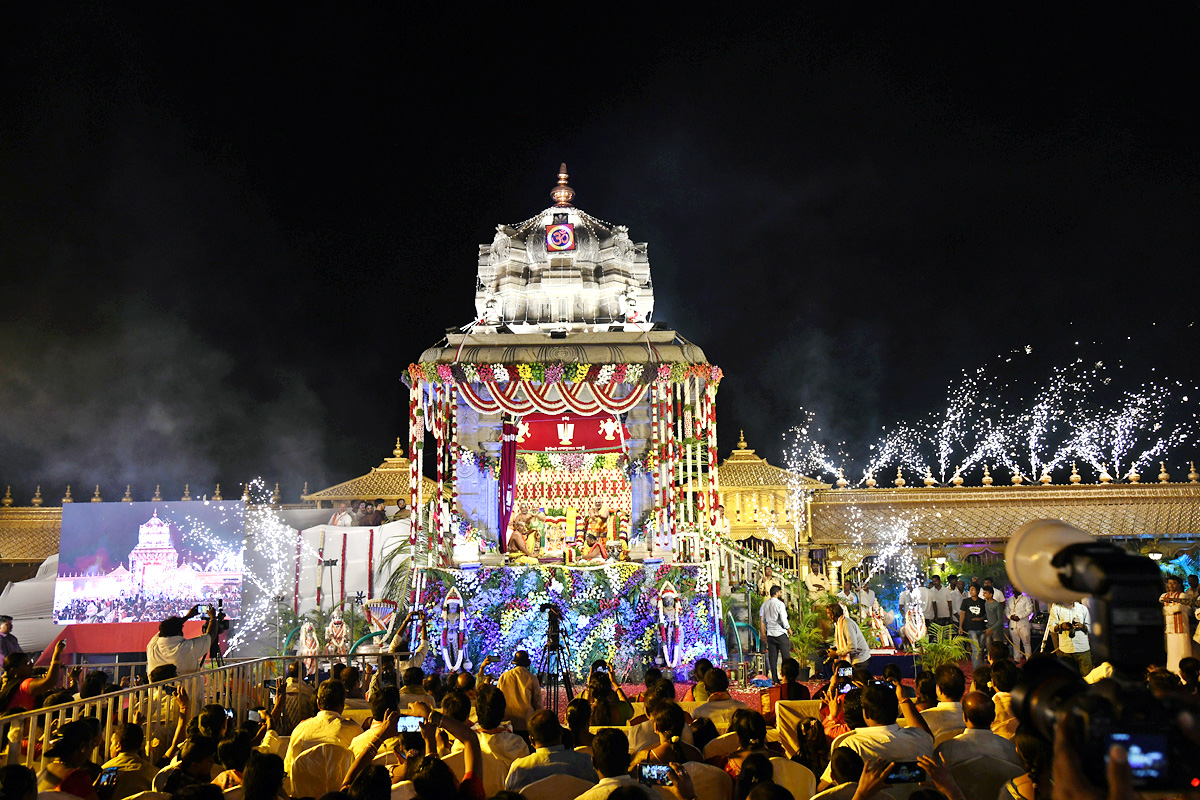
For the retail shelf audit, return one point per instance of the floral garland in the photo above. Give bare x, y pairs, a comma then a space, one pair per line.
610, 611
579, 462
562, 372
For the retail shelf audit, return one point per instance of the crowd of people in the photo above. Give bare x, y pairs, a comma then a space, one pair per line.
465, 735
144, 605
366, 513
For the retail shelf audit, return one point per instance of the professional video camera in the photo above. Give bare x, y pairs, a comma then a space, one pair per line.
1053, 561
214, 650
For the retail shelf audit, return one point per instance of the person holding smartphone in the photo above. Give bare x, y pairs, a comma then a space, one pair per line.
170, 646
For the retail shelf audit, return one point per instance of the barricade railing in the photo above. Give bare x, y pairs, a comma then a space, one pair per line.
236, 685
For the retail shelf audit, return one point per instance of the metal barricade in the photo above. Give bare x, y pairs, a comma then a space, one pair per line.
237, 685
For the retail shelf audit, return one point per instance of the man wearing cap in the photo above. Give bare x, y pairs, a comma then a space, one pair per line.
522, 692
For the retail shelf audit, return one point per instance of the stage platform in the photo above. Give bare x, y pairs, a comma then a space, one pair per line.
610, 611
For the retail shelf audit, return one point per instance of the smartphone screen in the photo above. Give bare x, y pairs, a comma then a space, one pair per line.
1147, 757
655, 774
108, 777
846, 688
407, 724
254, 716
229, 713
905, 772
845, 672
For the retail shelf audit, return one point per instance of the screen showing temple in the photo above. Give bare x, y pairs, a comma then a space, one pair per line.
144, 562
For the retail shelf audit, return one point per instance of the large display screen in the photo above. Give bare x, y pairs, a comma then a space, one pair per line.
144, 562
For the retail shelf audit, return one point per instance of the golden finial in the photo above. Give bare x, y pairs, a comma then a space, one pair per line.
37, 498
899, 477
741, 440
1104, 476
871, 481
304, 491
275, 496
1193, 476
399, 451
1017, 478
1075, 478
1133, 475
1163, 475
842, 483
96, 496
957, 480
987, 476
245, 492
217, 493
562, 194
67, 497
8, 501
157, 494
929, 479
1045, 479
128, 498
187, 493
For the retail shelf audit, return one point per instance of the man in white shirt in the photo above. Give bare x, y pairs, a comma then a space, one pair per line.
937, 603
300, 700
848, 597
493, 737
882, 738
1070, 624
848, 640
383, 701
550, 756
947, 715
328, 726
522, 691
413, 689
170, 647
866, 599
1018, 610
610, 757
977, 739
342, 517
958, 593
720, 705
776, 630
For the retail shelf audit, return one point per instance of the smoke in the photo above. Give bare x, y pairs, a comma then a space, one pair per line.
148, 402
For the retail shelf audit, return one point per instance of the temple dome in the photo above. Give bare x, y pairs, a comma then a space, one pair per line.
563, 268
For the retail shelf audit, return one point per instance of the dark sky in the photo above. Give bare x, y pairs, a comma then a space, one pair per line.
225, 230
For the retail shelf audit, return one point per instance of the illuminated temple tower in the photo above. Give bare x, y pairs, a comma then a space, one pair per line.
604, 403
154, 551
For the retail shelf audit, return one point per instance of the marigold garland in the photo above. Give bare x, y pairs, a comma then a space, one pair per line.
560, 372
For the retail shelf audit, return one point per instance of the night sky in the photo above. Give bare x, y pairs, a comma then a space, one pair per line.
226, 230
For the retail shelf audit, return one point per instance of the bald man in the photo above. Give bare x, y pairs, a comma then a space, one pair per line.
978, 739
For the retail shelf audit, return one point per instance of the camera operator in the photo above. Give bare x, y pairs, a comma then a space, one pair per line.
169, 646
1071, 624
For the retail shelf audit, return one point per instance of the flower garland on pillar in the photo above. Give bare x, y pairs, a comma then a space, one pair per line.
414, 460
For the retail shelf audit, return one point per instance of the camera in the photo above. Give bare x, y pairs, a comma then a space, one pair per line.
1051, 560
222, 619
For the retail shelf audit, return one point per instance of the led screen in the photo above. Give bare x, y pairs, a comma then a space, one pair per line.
144, 562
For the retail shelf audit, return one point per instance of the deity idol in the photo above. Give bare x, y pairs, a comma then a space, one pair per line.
309, 647
669, 637
335, 635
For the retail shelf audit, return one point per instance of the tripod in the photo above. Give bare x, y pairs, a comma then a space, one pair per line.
553, 669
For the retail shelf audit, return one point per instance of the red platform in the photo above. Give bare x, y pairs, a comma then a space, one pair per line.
110, 637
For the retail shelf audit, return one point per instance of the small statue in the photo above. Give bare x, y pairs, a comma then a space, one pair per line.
335, 635
309, 647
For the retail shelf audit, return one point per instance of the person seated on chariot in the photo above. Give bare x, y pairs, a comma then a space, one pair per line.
595, 549
597, 522
518, 533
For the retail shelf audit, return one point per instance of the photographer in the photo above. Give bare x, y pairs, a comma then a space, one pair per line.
1071, 623
170, 647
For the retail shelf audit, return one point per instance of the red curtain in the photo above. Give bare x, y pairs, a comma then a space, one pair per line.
508, 476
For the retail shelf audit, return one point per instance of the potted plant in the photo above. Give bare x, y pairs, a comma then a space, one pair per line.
941, 646
807, 631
